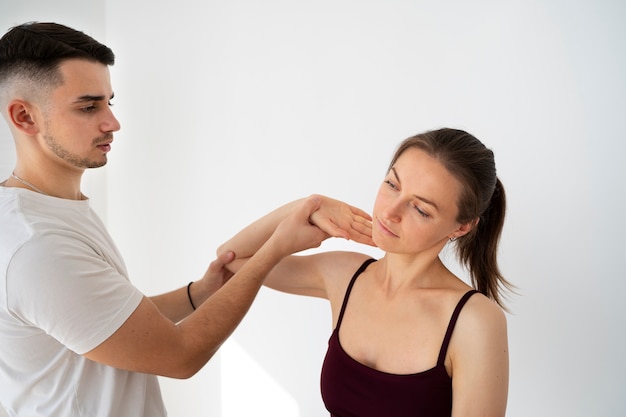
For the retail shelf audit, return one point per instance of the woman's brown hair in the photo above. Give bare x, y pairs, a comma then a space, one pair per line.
482, 197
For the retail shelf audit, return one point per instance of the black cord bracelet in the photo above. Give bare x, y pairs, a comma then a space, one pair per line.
189, 295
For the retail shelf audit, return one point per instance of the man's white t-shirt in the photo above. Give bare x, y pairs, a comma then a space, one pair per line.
64, 290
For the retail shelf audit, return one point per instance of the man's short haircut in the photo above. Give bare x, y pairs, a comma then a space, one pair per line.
33, 52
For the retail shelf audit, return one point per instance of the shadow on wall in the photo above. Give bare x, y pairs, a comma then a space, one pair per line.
280, 346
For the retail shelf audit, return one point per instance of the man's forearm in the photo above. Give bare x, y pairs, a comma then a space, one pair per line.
248, 241
174, 305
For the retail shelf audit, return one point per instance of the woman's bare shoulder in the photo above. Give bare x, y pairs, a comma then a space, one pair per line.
481, 311
338, 267
338, 263
479, 359
481, 323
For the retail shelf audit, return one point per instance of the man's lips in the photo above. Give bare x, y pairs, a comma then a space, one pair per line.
105, 147
104, 144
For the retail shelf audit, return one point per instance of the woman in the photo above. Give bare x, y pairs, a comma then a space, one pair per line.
410, 338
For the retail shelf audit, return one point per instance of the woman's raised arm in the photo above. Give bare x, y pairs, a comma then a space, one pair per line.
334, 217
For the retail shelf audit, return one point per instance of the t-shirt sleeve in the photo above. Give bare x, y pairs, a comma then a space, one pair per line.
62, 285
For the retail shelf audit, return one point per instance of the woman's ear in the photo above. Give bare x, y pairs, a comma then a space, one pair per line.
21, 117
464, 229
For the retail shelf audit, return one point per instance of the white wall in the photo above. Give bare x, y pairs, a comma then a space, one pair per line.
234, 108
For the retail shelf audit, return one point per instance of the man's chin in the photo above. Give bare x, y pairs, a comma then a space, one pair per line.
97, 164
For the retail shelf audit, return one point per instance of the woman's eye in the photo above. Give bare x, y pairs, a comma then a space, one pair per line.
389, 183
421, 212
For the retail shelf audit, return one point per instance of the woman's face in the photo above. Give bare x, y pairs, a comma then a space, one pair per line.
416, 206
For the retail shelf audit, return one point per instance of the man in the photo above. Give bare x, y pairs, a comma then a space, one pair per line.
76, 337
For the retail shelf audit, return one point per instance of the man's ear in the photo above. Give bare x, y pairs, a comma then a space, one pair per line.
20, 114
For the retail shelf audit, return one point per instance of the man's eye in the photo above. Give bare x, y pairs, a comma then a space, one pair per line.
88, 109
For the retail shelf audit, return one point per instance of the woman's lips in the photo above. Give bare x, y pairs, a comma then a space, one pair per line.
384, 229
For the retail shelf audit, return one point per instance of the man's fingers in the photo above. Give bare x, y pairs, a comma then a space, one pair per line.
311, 205
221, 261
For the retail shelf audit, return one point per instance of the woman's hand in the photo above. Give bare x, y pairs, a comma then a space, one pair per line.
339, 219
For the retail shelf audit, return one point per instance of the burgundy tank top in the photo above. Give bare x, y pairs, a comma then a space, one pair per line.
351, 389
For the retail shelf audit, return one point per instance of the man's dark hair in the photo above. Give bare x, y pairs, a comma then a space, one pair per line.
34, 51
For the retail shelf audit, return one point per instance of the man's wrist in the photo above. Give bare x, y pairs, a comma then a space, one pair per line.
189, 296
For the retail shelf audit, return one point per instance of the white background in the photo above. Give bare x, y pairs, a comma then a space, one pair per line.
232, 108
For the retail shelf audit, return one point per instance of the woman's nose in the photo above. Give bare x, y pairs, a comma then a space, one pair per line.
393, 211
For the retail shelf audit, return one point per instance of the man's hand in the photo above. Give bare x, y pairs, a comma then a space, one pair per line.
216, 275
339, 219
295, 232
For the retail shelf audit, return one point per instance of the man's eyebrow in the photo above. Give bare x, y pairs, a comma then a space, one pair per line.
88, 97
425, 200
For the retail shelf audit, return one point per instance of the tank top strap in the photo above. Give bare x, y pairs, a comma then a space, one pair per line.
349, 289
453, 319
